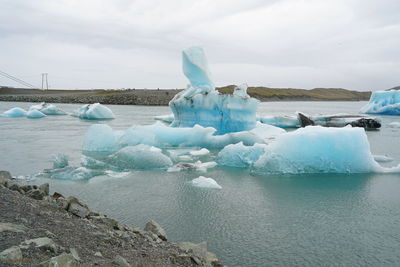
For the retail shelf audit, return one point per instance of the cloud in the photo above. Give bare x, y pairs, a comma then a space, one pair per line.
281, 43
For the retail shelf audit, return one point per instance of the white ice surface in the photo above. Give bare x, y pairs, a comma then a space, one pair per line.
95, 111
35, 114
205, 182
383, 102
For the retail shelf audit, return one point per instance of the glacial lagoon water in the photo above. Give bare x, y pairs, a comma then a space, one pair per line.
284, 220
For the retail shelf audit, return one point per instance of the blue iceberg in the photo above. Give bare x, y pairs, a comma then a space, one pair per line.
239, 155
315, 149
201, 104
14, 113
383, 102
35, 114
94, 112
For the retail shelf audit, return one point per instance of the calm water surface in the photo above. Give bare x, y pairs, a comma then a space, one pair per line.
287, 220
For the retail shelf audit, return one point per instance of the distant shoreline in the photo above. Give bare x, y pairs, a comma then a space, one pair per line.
162, 97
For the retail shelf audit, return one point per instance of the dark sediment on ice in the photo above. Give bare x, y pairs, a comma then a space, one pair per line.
162, 97
38, 229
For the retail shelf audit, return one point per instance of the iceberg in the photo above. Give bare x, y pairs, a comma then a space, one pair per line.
94, 112
73, 173
101, 137
14, 113
383, 102
141, 157
169, 118
315, 149
205, 182
239, 155
199, 153
48, 109
394, 124
35, 114
382, 158
201, 104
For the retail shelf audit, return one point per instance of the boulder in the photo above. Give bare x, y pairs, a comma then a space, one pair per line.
77, 208
63, 260
36, 194
45, 188
120, 261
44, 243
199, 250
5, 176
11, 255
17, 228
156, 229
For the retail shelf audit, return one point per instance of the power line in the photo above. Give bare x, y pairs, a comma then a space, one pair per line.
15, 79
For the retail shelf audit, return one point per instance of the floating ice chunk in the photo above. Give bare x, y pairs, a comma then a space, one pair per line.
140, 157
201, 152
382, 158
35, 114
100, 138
14, 113
316, 149
197, 166
280, 121
48, 109
195, 68
93, 163
165, 118
201, 104
94, 112
59, 161
394, 124
383, 102
267, 132
205, 182
239, 155
72, 173
185, 158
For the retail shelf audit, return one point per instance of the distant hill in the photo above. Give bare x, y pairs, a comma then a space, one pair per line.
394, 88
163, 96
291, 94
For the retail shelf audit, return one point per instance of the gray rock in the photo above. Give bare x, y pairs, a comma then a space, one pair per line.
62, 203
74, 253
36, 194
5, 176
45, 188
77, 208
11, 255
42, 243
156, 229
120, 261
63, 260
98, 254
199, 250
12, 227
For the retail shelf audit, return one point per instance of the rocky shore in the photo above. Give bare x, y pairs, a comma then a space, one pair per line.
38, 229
162, 97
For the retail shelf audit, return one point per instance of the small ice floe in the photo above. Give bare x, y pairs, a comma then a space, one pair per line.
115, 174
48, 109
201, 152
185, 158
35, 114
94, 112
197, 166
59, 161
14, 113
382, 158
394, 124
165, 118
205, 182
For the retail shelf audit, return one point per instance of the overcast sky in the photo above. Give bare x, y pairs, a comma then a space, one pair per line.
353, 44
